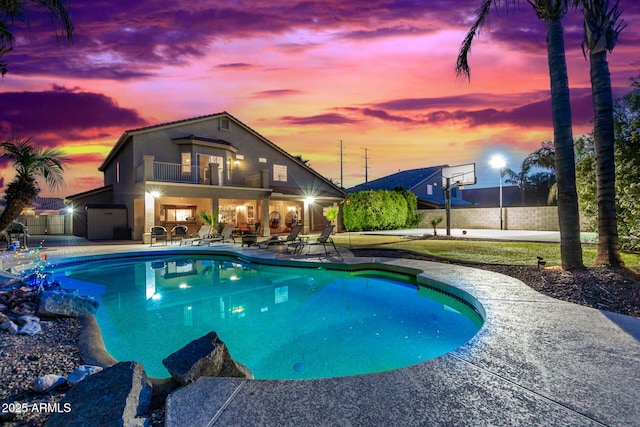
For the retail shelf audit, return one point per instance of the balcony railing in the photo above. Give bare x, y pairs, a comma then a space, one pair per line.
175, 172
172, 172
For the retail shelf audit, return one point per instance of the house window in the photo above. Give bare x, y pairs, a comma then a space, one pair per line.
186, 162
429, 190
262, 160
224, 124
279, 173
179, 213
118, 172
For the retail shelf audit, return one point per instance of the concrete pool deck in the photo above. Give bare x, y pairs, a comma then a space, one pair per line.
536, 361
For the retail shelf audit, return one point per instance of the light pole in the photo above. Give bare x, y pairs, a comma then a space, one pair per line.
498, 162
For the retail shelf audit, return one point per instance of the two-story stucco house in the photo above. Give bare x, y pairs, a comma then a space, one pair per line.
165, 174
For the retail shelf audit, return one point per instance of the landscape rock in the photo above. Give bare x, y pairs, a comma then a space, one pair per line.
66, 304
207, 356
81, 372
48, 383
117, 396
4, 318
23, 320
10, 327
30, 329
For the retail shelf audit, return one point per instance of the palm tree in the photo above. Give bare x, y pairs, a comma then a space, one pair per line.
551, 12
14, 10
543, 157
30, 164
519, 179
602, 25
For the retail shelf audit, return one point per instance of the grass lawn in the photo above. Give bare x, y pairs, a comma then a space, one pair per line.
494, 252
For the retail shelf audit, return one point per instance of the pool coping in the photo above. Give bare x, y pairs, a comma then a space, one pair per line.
537, 360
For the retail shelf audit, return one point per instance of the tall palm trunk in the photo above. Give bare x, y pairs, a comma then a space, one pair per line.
608, 251
602, 25
568, 216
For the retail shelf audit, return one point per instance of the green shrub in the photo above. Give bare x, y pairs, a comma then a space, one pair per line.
413, 218
375, 210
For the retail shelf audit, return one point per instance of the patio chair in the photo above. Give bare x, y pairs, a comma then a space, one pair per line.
277, 240
158, 232
324, 239
179, 232
226, 235
203, 233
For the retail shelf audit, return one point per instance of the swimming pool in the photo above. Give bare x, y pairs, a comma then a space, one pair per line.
281, 322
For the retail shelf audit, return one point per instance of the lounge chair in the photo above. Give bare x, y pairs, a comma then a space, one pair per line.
158, 232
179, 232
203, 233
226, 235
277, 240
324, 239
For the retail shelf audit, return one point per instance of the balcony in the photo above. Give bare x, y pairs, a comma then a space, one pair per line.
151, 170
172, 172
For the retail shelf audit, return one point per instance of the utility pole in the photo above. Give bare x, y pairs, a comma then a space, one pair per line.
341, 176
366, 164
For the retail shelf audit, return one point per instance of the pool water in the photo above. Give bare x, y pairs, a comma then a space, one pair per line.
281, 322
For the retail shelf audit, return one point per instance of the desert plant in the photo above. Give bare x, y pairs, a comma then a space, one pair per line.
434, 223
209, 219
332, 213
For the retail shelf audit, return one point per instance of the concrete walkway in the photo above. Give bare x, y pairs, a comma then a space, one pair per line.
536, 361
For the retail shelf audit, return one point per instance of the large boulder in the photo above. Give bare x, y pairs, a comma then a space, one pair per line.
65, 304
207, 356
117, 396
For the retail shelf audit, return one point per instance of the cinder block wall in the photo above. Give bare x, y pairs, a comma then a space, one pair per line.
541, 218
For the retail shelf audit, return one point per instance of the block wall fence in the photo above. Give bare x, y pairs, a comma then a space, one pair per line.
539, 218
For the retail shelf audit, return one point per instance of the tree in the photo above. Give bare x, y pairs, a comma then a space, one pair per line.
534, 184
627, 165
30, 164
627, 153
602, 25
551, 12
14, 10
519, 179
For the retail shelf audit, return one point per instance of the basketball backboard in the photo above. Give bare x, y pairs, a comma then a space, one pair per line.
459, 175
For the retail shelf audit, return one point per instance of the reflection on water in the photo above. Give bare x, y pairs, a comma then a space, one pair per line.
280, 322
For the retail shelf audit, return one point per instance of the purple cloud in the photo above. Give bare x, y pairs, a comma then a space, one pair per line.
276, 93
117, 40
532, 110
66, 112
320, 119
236, 66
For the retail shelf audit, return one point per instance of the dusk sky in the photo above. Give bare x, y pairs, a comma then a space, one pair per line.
377, 74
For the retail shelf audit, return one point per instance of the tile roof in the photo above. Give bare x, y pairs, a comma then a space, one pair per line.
190, 119
405, 179
201, 138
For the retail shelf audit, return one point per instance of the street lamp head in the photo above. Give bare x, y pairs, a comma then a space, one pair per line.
497, 161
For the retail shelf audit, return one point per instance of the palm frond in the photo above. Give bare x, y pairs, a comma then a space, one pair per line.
59, 15
462, 62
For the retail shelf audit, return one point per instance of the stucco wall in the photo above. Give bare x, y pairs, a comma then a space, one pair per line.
542, 218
